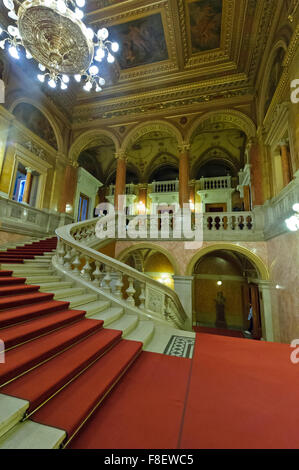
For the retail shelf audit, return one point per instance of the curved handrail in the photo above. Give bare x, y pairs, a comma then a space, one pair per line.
74, 244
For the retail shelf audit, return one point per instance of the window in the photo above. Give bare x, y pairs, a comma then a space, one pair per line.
83, 207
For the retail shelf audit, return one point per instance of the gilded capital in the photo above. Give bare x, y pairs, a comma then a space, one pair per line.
184, 147
121, 155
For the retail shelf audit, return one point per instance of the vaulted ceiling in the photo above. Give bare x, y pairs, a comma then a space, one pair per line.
173, 54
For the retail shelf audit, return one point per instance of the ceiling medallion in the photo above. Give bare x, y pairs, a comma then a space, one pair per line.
52, 32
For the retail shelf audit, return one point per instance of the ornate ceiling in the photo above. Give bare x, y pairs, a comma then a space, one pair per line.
176, 54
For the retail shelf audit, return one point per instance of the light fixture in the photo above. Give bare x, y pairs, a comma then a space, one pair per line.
219, 283
53, 33
293, 222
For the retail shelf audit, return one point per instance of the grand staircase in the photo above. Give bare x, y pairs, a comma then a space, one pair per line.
61, 360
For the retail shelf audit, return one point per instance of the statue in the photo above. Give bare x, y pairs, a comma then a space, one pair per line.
220, 310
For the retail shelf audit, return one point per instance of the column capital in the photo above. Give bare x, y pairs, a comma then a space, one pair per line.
28, 169
121, 155
184, 147
284, 143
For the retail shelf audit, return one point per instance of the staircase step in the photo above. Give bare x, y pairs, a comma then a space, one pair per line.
109, 315
126, 324
20, 360
49, 286
44, 381
42, 278
25, 268
74, 404
26, 312
17, 289
6, 261
12, 411
9, 280
79, 300
24, 299
69, 293
41, 262
95, 307
17, 334
29, 435
143, 332
4, 273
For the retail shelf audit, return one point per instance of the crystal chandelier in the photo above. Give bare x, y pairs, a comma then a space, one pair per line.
52, 32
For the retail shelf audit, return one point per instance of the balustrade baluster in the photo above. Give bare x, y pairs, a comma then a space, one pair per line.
142, 296
119, 285
61, 252
76, 263
131, 291
107, 279
97, 274
86, 269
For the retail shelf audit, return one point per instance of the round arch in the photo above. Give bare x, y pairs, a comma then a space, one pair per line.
206, 157
256, 260
281, 44
236, 118
47, 115
88, 138
151, 126
137, 246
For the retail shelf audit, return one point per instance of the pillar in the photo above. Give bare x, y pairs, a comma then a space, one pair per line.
183, 288
120, 183
27, 189
69, 187
247, 198
142, 198
255, 157
184, 174
285, 162
267, 321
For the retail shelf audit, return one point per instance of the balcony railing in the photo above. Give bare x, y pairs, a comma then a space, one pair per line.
221, 182
165, 186
131, 189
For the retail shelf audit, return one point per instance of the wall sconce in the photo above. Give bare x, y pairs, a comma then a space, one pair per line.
141, 207
68, 208
293, 222
192, 205
219, 283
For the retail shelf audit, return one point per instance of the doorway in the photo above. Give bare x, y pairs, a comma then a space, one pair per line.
83, 208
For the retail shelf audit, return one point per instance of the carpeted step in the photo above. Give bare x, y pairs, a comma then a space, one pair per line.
73, 405
20, 360
42, 382
16, 256
18, 334
24, 299
17, 289
8, 280
27, 312
10, 260
4, 273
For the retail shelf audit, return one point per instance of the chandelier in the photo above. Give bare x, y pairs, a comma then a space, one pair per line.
52, 32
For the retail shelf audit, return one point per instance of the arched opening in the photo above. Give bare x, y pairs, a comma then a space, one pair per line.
226, 296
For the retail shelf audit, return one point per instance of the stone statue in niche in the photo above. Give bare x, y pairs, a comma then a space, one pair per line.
220, 310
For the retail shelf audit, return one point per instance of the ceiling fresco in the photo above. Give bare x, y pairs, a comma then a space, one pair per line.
205, 18
141, 41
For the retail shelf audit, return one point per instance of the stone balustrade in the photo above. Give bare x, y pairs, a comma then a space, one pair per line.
18, 217
221, 182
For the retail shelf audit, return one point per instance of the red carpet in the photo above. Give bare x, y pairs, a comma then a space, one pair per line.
144, 411
234, 393
243, 394
28, 251
218, 331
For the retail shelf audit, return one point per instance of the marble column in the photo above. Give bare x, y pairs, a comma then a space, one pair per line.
69, 187
183, 287
184, 174
247, 199
285, 162
120, 183
27, 189
266, 313
255, 156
